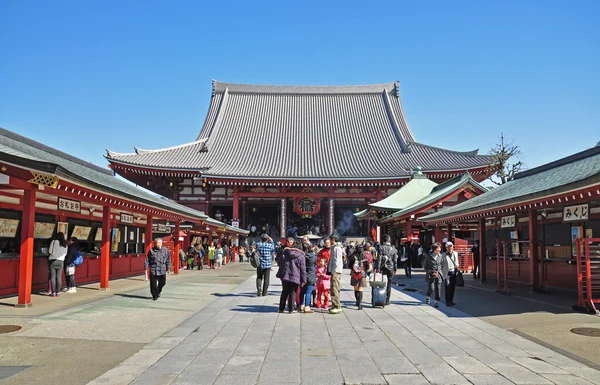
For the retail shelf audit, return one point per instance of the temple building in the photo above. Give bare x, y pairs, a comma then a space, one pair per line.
271, 158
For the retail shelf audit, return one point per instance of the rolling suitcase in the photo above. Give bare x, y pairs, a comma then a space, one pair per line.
378, 289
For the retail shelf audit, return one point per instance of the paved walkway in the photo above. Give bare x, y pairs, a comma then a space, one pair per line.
240, 339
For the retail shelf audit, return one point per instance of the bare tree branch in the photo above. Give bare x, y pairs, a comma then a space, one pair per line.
501, 170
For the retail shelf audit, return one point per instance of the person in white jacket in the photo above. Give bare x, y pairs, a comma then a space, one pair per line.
58, 252
449, 271
336, 267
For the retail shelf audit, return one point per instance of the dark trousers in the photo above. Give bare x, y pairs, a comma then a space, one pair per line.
200, 263
435, 284
56, 270
476, 268
157, 282
288, 293
388, 289
450, 286
408, 267
262, 280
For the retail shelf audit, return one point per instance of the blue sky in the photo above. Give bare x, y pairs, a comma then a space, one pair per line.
84, 76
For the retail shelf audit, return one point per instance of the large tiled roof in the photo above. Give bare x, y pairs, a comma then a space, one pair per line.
304, 132
23, 151
438, 192
576, 171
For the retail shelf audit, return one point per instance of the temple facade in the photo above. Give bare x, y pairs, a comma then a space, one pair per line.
305, 158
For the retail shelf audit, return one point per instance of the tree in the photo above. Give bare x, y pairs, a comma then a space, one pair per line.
501, 168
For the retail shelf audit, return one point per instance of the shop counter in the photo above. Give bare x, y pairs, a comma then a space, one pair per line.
121, 266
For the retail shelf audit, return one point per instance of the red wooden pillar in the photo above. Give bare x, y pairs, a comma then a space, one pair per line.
244, 224
105, 251
148, 234
236, 204
176, 248
439, 235
449, 235
26, 251
482, 251
533, 246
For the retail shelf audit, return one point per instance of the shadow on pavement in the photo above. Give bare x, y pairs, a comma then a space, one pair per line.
133, 296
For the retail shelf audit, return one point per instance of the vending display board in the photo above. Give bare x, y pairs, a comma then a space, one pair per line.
81, 232
8, 227
43, 230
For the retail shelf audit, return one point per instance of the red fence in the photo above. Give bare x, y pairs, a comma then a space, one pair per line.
465, 257
588, 274
513, 269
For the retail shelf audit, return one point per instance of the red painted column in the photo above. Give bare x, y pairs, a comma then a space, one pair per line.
148, 234
482, 251
105, 251
236, 204
439, 235
533, 246
177, 248
26, 250
244, 224
449, 234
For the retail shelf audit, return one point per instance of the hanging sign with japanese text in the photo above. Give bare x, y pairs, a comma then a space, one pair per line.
126, 218
508, 222
576, 213
69, 205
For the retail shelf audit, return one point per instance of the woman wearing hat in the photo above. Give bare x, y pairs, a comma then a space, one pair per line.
449, 270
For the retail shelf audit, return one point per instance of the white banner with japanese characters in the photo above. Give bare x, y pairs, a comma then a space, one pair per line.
576, 213
508, 222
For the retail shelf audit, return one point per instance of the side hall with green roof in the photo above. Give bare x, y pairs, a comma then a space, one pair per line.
529, 228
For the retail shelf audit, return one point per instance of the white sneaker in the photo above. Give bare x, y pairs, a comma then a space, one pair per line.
72, 290
64, 290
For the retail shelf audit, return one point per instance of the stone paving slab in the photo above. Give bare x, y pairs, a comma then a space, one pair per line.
241, 339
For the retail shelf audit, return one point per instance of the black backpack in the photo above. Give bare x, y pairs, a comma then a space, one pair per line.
254, 259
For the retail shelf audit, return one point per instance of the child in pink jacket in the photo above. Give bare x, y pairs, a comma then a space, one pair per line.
323, 284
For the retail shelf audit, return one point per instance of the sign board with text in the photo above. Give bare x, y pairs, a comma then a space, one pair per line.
126, 218
508, 222
576, 213
69, 205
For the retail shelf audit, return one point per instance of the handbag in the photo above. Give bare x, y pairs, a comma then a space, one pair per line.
460, 281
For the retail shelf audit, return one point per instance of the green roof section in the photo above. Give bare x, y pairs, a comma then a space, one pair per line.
416, 189
576, 171
26, 152
439, 192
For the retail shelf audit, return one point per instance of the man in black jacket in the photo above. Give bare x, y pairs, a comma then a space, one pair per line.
387, 262
159, 261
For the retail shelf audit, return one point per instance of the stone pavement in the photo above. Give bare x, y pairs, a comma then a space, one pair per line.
240, 339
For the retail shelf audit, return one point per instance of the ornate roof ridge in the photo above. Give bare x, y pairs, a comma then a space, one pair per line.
139, 151
220, 87
467, 153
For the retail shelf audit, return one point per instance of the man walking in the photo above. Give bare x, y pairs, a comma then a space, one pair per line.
476, 258
266, 251
159, 261
336, 266
387, 262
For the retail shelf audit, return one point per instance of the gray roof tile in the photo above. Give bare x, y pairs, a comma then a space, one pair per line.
256, 131
578, 170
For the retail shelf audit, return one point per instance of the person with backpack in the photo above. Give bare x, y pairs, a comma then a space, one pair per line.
361, 264
265, 250
72, 254
387, 262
